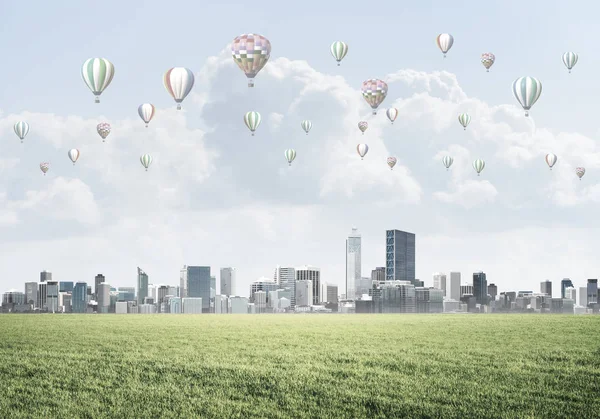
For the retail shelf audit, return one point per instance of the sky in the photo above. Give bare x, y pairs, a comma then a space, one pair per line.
214, 195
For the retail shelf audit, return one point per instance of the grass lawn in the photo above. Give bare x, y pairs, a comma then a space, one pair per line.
300, 366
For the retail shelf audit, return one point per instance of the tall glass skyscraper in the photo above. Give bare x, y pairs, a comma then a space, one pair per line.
199, 285
142, 284
79, 298
353, 263
564, 284
480, 288
399, 256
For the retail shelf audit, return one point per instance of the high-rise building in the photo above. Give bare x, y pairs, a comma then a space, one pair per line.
454, 293
142, 286
183, 282
310, 273
332, 294
103, 297
79, 298
394, 297
198, 285
52, 296
228, 280
353, 263
126, 294
163, 291
99, 279
592, 291
583, 301
41, 295
571, 294
65, 286
564, 284
31, 293
285, 277
213, 292
45, 276
492, 291
400, 256
480, 288
175, 305
263, 284
304, 292
546, 288
378, 274
238, 305
191, 305
439, 282
466, 289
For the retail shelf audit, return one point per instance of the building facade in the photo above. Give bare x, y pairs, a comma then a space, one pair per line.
198, 285
310, 273
142, 286
228, 280
353, 263
400, 256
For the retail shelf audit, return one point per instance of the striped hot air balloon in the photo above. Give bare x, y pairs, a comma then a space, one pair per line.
21, 129
103, 130
73, 155
392, 114
527, 90
252, 120
447, 160
580, 171
570, 59
306, 125
146, 112
339, 50
251, 52
97, 73
464, 119
179, 82
488, 59
146, 161
444, 42
391, 161
362, 126
551, 160
362, 150
290, 155
374, 91
478, 165
44, 167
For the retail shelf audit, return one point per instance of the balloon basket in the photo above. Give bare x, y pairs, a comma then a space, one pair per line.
97, 100
178, 107
487, 71
250, 82
146, 125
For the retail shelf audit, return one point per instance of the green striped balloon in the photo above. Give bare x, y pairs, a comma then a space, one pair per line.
447, 160
569, 60
290, 155
306, 125
97, 73
478, 165
252, 120
464, 119
527, 90
146, 160
339, 50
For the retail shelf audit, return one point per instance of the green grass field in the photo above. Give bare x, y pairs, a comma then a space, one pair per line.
299, 366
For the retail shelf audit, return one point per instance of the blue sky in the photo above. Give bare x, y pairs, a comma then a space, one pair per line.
46, 45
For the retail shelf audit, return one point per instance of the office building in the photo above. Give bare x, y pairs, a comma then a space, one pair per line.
13, 298
363, 286
175, 305
192, 305
353, 263
79, 298
183, 282
45, 276
583, 301
465, 289
394, 297
480, 288
546, 288
492, 291
439, 282
454, 293
142, 286
262, 284
238, 305
31, 293
332, 294
285, 277
65, 286
52, 296
121, 307
162, 292
304, 292
400, 256
126, 294
571, 294
564, 284
228, 281
592, 291
221, 304
103, 297
99, 279
260, 301
378, 274
199, 285
310, 273
41, 296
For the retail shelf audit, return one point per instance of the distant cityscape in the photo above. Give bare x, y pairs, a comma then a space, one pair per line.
389, 289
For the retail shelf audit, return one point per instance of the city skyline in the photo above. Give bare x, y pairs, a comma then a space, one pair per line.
211, 180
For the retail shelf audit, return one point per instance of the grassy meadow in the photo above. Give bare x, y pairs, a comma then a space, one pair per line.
299, 366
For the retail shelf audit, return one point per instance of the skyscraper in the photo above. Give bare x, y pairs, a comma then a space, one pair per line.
492, 291
546, 288
198, 285
480, 288
65, 286
310, 273
31, 293
103, 297
142, 285
592, 291
99, 279
45, 276
304, 292
228, 281
183, 282
583, 302
378, 274
564, 284
353, 263
285, 277
400, 256
439, 282
79, 298
454, 293
52, 296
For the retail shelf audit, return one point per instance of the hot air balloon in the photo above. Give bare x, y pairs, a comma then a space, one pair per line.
488, 59
146, 112
339, 50
374, 91
44, 167
392, 114
464, 119
580, 171
444, 42
97, 73
251, 52
252, 120
551, 160
570, 59
478, 165
73, 155
527, 90
391, 161
103, 129
21, 129
306, 125
179, 82
363, 125
362, 150
447, 160
290, 155
146, 160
